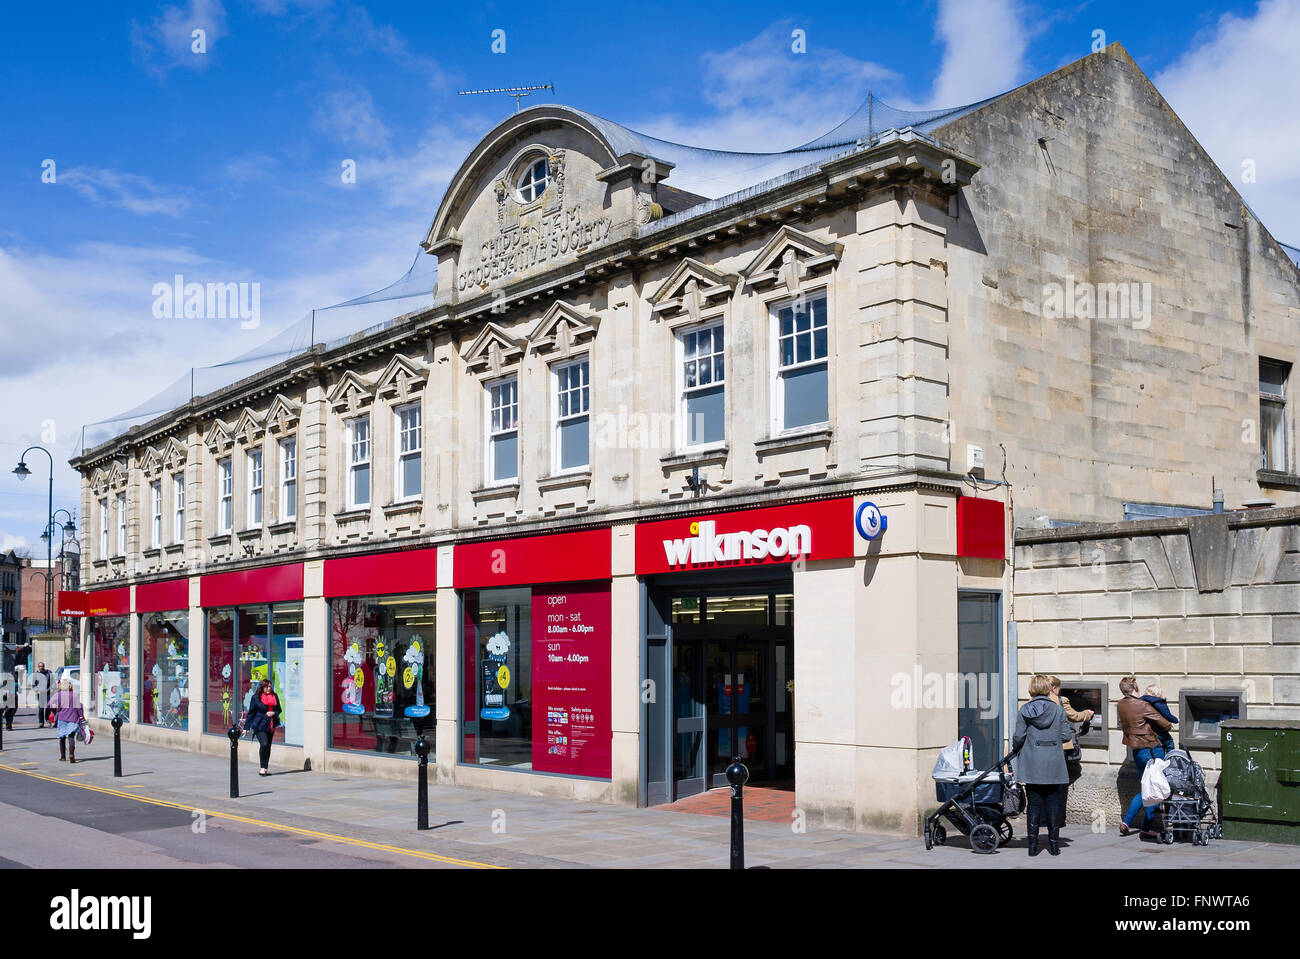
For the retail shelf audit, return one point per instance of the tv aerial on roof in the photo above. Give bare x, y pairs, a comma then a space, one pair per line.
517, 92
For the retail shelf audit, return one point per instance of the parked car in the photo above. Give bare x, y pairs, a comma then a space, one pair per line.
72, 673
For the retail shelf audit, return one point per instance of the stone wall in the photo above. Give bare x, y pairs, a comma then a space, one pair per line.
1203, 602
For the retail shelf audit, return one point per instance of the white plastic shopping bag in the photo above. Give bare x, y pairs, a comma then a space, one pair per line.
1155, 787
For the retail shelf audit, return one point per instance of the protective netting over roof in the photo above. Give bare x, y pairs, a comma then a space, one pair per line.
720, 175
1291, 251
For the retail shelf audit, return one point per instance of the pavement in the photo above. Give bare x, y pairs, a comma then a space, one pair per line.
307, 818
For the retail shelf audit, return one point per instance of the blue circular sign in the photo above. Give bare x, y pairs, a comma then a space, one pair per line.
870, 521
416, 712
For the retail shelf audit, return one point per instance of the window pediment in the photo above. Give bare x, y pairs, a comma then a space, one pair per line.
790, 257
117, 476
562, 329
402, 379
283, 415
351, 394
220, 438
248, 428
493, 351
691, 288
151, 463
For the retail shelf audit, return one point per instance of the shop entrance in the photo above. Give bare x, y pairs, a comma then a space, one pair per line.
731, 690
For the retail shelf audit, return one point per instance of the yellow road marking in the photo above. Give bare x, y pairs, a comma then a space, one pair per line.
331, 837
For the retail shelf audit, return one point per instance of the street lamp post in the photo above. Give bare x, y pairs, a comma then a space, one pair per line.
22, 472
64, 529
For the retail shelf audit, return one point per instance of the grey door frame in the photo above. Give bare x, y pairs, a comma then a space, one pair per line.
998, 689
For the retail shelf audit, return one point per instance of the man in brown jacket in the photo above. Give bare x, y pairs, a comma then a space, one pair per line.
1139, 720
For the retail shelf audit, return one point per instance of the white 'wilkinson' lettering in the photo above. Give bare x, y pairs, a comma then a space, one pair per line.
710, 546
74, 912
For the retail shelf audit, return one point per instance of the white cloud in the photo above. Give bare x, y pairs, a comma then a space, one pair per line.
129, 191
350, 116
169, 40
984, 50
1237, 90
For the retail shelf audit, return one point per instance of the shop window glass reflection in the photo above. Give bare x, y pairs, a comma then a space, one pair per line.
246, 645
498, 678
164, 655
110, 638
382, 679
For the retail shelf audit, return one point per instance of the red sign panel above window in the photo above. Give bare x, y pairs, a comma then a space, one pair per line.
109, 602
560, 558
408, 571
754, 537
981, 528
71, 603
269, 584
171, 595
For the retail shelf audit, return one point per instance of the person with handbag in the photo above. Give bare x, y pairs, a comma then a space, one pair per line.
1073, 753
1041, 729
1142, 726
263, 716
68, 717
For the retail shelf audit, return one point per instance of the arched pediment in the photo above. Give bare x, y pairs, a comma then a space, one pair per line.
562, 328
790, 257
690, 289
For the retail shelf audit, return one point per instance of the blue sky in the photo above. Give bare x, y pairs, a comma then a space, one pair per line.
225, 165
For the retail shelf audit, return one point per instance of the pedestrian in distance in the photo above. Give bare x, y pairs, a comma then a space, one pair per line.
263, 717
1041, 729
1143, 726
68, 717
41, 686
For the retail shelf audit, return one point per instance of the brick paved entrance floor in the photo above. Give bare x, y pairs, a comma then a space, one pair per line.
762, 803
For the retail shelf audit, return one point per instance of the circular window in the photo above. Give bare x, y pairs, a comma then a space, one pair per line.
533, 180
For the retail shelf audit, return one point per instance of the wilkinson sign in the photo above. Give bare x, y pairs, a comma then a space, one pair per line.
780, 534
707, 545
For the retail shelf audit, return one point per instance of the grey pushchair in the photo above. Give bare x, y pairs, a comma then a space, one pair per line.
978, 803
1190, 807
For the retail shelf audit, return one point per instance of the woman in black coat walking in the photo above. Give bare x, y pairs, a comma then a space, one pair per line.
1041, 728
263, 716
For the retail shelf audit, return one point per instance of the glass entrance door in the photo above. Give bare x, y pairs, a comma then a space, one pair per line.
688, 718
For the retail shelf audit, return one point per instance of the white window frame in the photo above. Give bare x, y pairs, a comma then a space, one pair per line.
226, 495
400, 454
355, 461
178, 507
779, 371
103, 528
155, 511
679, 359
288, 479
557, 420
121, 524
489, 449
256, 474
527, 179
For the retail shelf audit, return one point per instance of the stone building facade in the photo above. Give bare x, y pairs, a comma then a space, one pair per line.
613, 359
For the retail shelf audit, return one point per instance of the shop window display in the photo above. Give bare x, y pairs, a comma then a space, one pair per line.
110, 638
247, 644
382, 659
164, 655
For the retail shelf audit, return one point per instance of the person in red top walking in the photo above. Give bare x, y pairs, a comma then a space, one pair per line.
263, 716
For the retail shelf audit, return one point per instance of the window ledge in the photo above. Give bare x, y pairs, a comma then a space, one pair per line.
288, 526
153, 552
221, 539
694, 457
802, 439
173, 547
250, 533
99, 563
561, 480
1278, 479
495, 492
404, 506
355, 512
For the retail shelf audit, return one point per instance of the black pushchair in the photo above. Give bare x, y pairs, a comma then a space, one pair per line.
1189, 808
978, 803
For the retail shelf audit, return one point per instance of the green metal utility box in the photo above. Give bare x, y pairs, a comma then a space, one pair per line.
1261, 779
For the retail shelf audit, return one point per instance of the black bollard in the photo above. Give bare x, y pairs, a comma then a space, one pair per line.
233, 733
737, 775
422, 801
117, 746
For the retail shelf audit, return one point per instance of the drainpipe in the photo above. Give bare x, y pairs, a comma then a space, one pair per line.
1218, 501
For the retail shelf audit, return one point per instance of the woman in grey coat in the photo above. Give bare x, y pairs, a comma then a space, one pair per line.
1041, 728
